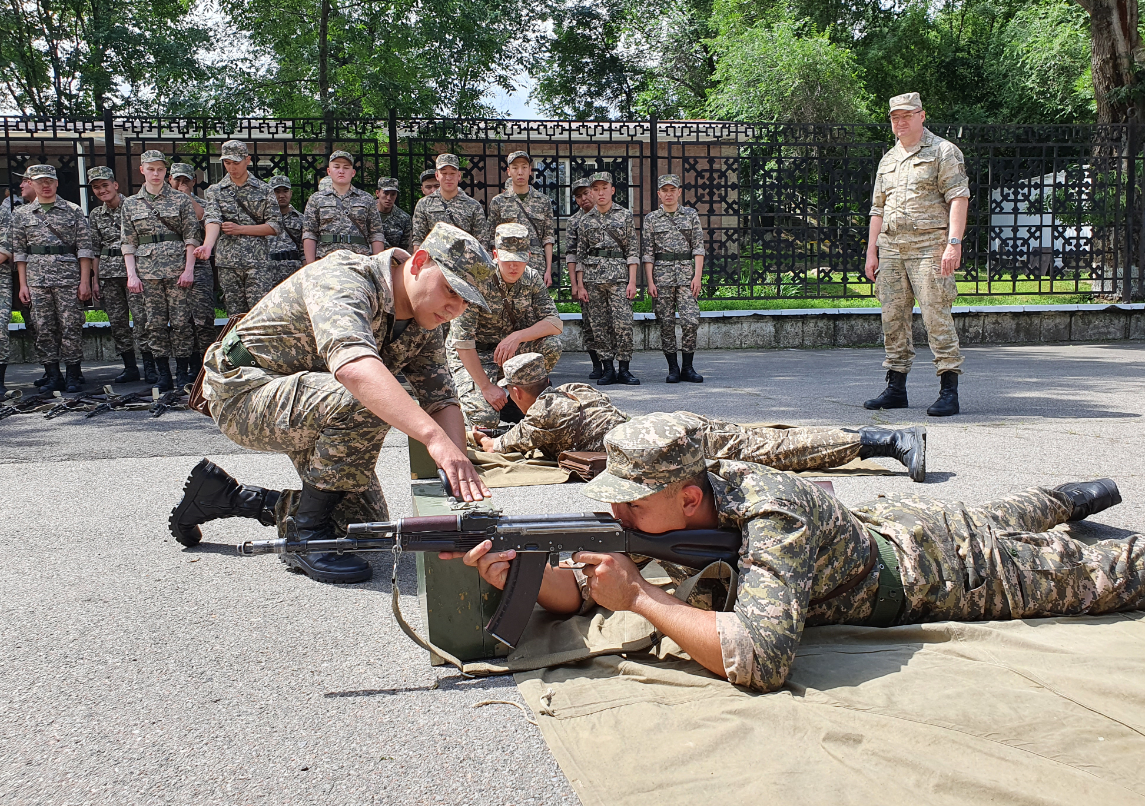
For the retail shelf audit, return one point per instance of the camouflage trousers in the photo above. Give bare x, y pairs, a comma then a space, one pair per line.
674, 298
5, 313
13, 299
586, 325
793, 449
476, 409
332, 439
169, 329
243, 288
282, 269
611, 313
203, 307
911, 273
124, 308
59, 319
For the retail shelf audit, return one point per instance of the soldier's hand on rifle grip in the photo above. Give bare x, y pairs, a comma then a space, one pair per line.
492, 566
613, 579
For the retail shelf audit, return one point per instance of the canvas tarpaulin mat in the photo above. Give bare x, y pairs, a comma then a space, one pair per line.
1047, 711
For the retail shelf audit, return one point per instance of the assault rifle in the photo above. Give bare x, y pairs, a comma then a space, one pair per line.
492, 433
537, 539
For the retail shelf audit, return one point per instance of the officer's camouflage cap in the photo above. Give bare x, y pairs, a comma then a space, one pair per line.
428, 173
462, 259
512, 242
234, 150
645, 455
907, 102
387, 183
448, 160
325, 183
518, 155
278, 181
341, 155
152, 155
600, 176
580, 183
183, 169
668, 179
99, 173
524, 370
40, 172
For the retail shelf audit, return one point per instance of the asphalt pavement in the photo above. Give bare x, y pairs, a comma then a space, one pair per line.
134, 671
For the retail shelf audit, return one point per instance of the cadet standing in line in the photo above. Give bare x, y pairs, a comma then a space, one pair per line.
343, 217
241, 215
607, 257
449, 203
674, 265
808, 561
522, 318
27, 196
575, 417
160, 233
918, 216
182, 178
310, 373
523, 204
584, 202
51, 246
396, 222
429, 183
286, 249
5, 291
109, 275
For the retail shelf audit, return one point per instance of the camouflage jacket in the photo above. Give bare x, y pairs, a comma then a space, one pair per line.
572, 417
462, 211
6, 231
325, 315
356, 213
914, 188
146, 216
570, 234
32, 228
397, 224
511, 308
290, 240
106, 232
605, 244
677, 233
222, 204
535, 213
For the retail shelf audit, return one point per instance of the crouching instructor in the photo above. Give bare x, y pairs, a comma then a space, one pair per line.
309, 372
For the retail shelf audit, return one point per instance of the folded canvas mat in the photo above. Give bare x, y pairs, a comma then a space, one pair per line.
1048, 711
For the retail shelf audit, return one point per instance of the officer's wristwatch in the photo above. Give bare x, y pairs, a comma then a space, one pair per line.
954, 241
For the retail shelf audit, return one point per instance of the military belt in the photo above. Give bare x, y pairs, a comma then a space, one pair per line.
236, 352
50, 250
111, 251
288, 254
671, 256
605, 253
166, 236
328, 238
890, 595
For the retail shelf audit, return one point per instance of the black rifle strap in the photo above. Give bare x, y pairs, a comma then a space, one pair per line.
142, 196
687, 235
247, 210
532, 221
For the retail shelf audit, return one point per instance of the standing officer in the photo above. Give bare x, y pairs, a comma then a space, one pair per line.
182, 178
674, 264
342, 217
449, 204
429, 182
241, 213
109, 274
51, 245
918, 215
27, 196
396, 222
286, 249
524, 204
606, 254
5, 290
584, 203
160, 233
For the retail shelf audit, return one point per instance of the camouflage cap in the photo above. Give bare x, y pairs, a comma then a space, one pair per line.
387, 183
279, 181
448, 160
908, 102
518, 155
340, 155
580, 183
234, 150
428, 173
152, 155
40, 171
512, 242
325, 183
600, 176
183, 169
462, 259
645, 455
669, 179
524, 370
99, 173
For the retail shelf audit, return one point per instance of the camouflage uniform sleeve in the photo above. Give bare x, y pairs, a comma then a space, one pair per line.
83, 234
878, 195
544, 307
19, 239
571, 236
310, 223
649, 238
128, 237
212, 212
374, 226
479, 226
96, 232
632, 241
463, 329
339, 301
539, 430
698, 247
420, 226
189, 222
952, 180
5, 232
489, 235
548, 233
429, 376
270, 211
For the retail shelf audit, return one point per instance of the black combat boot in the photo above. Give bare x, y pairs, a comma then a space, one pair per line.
130, 372
907, 445
314, 521
687, 373
947, 403
624, 376
55, 381
211, 493
73, 381
673, 368
597, 367
43, 379
150, 373
182, 372
894, 396
608, 376
195, 365
3, 390
1090, 497
163, 368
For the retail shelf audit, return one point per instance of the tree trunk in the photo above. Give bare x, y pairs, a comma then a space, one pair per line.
1116, 57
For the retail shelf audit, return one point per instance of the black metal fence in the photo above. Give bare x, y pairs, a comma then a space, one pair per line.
1053, 209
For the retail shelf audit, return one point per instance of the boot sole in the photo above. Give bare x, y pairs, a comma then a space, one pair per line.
191, 488
295, 563
882, 406
918, 472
